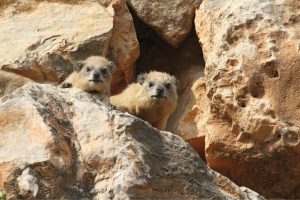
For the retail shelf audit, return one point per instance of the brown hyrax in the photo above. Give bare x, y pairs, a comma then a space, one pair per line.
153, 98
91, 75
10, 81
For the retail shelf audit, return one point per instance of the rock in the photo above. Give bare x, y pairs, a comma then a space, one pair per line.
65, 143
252, 57
124, 44
191, 124
50, 36
10, 82
45, 50
172, 20
27, 182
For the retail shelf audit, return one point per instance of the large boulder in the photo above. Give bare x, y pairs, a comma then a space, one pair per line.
65, 143
172, 20
252, 59
40, 39
43, 39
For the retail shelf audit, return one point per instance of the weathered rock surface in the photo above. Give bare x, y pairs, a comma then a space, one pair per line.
65, 143
172, 20
193, 115
124, 44
42, 39
252, 70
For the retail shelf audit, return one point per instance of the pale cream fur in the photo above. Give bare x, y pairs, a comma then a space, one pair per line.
136, 100
79, 79
10, 82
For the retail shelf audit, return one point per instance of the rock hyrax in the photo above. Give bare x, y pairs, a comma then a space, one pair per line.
153, 98
10, 81
91, 75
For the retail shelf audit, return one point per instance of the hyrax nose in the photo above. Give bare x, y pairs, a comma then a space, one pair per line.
159, 90
96, 76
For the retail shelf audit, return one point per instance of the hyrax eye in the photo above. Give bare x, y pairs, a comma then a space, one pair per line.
103, 71
168, 85
88, 69
150, 84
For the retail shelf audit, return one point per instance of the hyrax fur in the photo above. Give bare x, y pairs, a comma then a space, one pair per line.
10, 81
91, 75
153, 98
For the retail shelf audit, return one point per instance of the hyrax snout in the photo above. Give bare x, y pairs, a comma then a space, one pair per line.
92, 75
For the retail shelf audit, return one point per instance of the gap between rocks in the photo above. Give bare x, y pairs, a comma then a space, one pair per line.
186, 62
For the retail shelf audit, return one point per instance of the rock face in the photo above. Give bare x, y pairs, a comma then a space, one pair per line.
243, 117
44, 51
192, 118
124, 49
42, 39
172, 20
252, 70
65, 143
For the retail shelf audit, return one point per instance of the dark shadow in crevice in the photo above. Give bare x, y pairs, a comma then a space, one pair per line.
157, 54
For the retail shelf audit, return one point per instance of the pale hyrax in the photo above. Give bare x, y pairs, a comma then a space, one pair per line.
153, 98
10, 81
91, 75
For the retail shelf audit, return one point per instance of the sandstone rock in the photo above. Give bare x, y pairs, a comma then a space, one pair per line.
42, 39
172, 20
192, 120
252, 67
27, 182
10, 82
65, 143
124, 44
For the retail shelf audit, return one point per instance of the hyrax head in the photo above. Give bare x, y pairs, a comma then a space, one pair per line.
159, 85
95, 72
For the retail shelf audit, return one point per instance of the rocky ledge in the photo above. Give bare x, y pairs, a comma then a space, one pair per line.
65, 143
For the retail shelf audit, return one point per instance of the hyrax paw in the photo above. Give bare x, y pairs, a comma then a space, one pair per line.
66, 85
114, 107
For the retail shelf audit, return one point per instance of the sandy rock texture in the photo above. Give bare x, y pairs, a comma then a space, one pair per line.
42, 39
65, 143
192, 114
252, 70
124, 48
172, 20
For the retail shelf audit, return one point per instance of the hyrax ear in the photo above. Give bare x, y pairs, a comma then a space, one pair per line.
112, 67
78, 65
176, 81
141, 78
